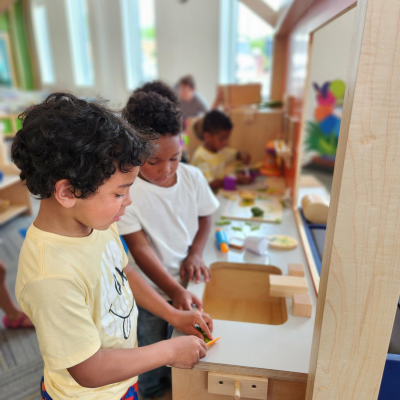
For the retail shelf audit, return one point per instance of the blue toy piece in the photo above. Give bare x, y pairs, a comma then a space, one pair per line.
222, 240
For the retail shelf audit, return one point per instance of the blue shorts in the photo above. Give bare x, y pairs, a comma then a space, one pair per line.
131, 394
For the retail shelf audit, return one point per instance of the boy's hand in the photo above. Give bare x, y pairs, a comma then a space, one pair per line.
193, 266
244, 180
186, 351
185, 321
244, 157
183, 300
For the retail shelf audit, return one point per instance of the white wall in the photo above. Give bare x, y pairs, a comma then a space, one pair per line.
188, 42
107, 48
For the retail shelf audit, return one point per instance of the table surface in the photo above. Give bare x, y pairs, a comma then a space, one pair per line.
285, 347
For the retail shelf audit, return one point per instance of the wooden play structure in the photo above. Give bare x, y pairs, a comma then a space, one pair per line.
13, 192
340, 352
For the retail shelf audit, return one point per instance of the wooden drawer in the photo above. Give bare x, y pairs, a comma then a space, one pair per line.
193, 385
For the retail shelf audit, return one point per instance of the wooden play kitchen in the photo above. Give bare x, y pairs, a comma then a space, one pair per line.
265, 351
262, 344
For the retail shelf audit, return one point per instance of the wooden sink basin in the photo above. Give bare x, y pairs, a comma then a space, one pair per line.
240, 292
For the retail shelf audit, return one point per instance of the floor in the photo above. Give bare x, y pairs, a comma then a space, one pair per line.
21, 364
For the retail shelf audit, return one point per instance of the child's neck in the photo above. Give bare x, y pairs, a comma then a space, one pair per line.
210, 148
54, 218
168, 184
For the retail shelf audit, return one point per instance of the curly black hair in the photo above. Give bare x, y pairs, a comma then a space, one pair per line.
69, 138
153, 112
161, 88
215, 121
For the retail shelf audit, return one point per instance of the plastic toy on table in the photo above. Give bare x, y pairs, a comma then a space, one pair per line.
271, 165
222, 240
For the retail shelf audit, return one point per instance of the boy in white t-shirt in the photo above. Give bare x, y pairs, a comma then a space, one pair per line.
167, 226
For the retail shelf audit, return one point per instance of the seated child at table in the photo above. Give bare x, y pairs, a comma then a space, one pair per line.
213, 156
167, 225
74, 281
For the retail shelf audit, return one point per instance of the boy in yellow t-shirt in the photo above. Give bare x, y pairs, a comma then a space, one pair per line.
74, 281
213, 155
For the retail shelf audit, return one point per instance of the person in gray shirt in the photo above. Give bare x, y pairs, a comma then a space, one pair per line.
192, 103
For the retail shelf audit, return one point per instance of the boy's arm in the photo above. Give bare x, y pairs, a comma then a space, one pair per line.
193, 264
216, 184
149, 263
149, 299
108, 366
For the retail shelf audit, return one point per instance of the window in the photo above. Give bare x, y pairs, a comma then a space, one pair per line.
139, 37
148, 39
81, 45
43, 44
246, 45
253, 49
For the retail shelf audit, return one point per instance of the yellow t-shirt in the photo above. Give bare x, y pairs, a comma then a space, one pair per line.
213, 165
77, 296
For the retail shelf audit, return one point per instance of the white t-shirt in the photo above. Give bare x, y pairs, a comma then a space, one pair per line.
169, 216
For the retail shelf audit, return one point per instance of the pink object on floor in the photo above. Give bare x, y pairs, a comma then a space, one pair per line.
18, 324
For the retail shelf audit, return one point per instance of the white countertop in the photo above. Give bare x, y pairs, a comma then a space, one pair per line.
285, 347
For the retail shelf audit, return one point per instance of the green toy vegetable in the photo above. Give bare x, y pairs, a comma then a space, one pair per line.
222, 223
206, 339
237, 228
255, 228
257, 212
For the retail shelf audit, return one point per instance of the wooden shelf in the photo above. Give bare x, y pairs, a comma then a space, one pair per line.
11, 212
9, 180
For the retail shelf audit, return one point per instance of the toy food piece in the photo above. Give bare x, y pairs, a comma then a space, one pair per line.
282, 242
247, 203
247, 195
236, 243
213, 341
315, 208
206, 339
223, 223
229, 182
257, 212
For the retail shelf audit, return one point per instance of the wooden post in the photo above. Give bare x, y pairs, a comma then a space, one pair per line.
360, 281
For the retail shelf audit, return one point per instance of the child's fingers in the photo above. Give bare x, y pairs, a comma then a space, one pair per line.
206, 273
187, 305
198, 302
203, 349
208, 321
193, 331
183, 274
198, 274
190, 271
203, 325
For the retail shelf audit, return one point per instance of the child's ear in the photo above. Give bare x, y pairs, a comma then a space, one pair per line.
64, 193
